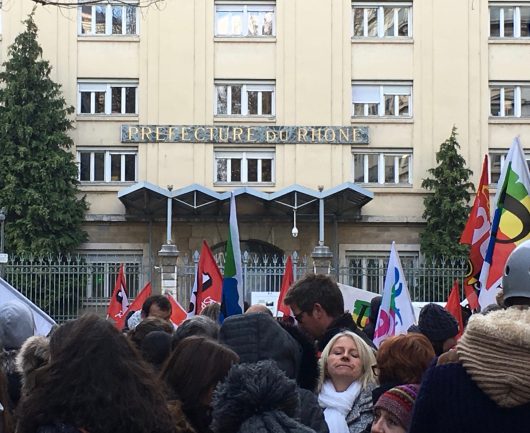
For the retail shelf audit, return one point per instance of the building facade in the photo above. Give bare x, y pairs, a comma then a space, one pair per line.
293, 104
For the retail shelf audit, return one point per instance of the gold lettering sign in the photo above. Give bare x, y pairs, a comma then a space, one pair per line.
244, 134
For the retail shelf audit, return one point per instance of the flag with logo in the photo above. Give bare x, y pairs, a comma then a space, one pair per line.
511, 221
476, 234
208, 279
136, 304
287, 281
396, 314
119, 303
454, 307
178, 313
232, 296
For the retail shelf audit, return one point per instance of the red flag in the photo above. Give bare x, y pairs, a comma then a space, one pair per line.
476, 234
137, 304
453, 306
118, 302
287, 281
209, 280
472, 298
178, 314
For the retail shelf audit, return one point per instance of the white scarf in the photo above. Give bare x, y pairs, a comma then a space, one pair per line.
337, 405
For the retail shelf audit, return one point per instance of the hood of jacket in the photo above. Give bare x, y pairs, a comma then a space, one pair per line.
16, 324
257, 337
495, 352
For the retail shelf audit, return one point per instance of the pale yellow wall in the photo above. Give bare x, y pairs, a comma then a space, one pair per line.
313, 62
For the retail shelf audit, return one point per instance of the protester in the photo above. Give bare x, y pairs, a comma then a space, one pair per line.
16, 326
191, 374
393, 411
156, 306
34, 354
95, 382
196, 325
147, 326
258, 308
212, 311
402, 359
487, 389
6, 421
308, 372
346, 383
439, 326
257, 398
258, 337
156, 348
317, 304
375, 305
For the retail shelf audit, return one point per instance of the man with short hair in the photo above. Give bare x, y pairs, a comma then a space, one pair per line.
156, 306
318, 307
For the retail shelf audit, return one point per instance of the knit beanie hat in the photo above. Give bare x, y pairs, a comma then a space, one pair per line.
436, 323
399, 402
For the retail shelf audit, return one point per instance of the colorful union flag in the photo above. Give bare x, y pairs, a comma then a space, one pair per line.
511, 221
396, 314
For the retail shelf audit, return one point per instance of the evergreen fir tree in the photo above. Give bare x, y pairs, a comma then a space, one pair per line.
446, 209
38, 173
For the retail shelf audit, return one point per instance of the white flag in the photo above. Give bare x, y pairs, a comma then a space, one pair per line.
396, 314
43, 322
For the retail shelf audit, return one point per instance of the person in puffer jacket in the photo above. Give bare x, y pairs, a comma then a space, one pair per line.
258, 337
486, 387
257, 398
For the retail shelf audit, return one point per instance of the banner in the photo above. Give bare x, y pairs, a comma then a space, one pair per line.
476, 234
396, 314
232, 299
511, 222
43, 322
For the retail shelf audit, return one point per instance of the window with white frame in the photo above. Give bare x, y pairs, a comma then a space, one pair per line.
510, 100
367, 269
244, 99
391, 100
99, 165
245, 20
510, 20
382, 167
244, 166
107, 98
382, 20
496, 162
111, 19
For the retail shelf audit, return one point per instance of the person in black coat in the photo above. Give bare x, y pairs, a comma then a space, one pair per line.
258, 337
257, 398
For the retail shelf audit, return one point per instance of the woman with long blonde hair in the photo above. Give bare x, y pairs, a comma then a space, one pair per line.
346, 383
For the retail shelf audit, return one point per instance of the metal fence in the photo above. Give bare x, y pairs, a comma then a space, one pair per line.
67, 287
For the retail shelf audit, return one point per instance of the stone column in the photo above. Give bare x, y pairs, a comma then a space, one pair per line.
168, 255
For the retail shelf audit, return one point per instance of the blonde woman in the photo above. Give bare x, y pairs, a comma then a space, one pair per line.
346, 383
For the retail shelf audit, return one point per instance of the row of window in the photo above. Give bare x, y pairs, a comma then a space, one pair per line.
257, 166
258, 99
243, 99
248, 166
369, 19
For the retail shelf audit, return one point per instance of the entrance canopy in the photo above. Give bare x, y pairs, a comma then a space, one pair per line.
196, 202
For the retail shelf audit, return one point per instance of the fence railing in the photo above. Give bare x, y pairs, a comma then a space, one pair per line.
65, 288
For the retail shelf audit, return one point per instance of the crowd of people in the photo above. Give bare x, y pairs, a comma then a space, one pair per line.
255, 373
